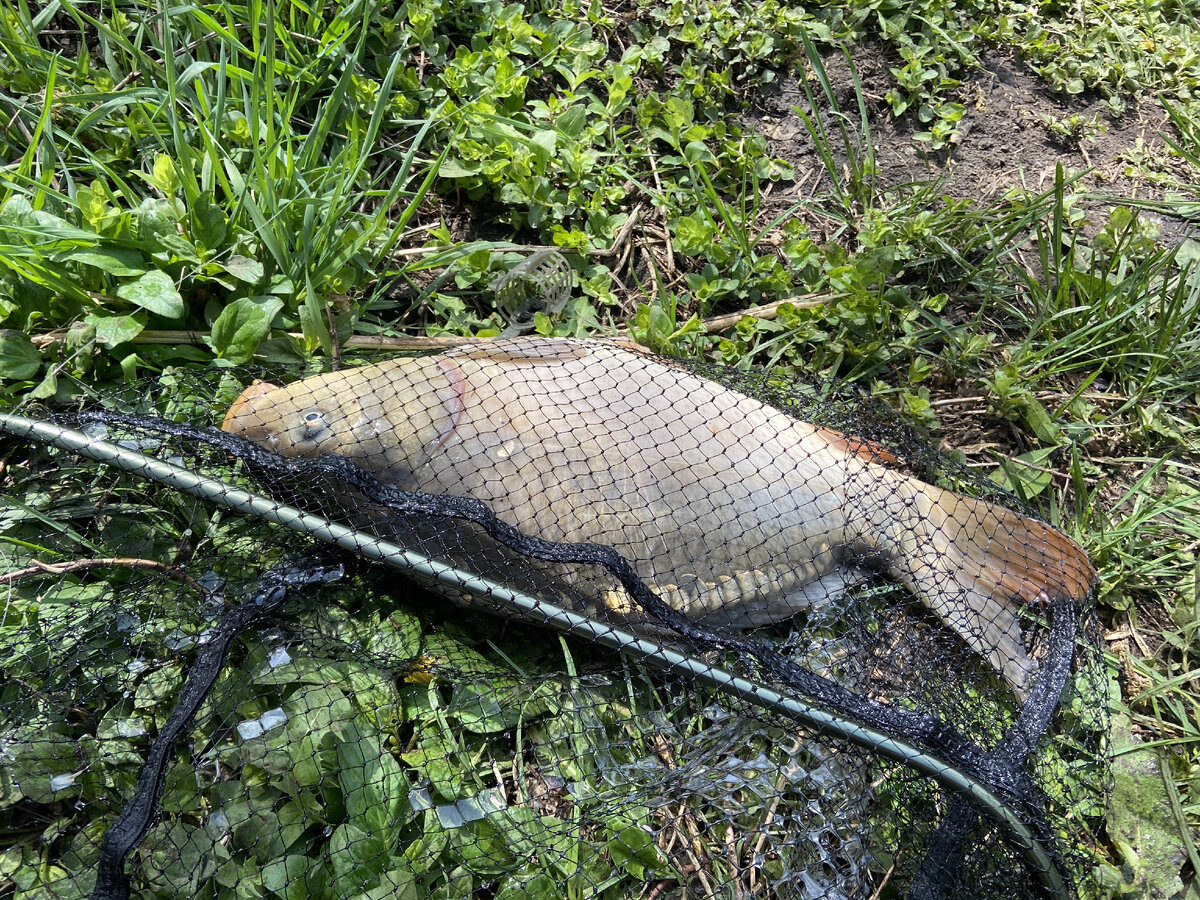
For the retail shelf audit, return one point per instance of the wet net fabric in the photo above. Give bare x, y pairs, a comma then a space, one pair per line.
532, 621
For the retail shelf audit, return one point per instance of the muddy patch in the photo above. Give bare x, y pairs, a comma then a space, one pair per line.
1008, 138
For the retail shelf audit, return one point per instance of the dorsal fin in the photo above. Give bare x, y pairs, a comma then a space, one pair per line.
861, 448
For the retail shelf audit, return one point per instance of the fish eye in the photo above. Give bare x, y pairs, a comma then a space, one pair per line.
313, 424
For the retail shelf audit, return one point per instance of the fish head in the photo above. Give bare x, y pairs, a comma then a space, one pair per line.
304, 419
389, 418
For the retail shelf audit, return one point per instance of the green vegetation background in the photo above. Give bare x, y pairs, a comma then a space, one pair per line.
283, 180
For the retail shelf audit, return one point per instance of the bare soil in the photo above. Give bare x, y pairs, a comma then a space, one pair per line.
1005, 141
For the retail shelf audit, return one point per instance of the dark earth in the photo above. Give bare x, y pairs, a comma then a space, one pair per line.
1005, 141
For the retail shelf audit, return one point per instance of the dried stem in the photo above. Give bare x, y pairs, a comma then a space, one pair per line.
113, 562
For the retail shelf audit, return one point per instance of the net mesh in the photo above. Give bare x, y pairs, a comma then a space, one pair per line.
307, 654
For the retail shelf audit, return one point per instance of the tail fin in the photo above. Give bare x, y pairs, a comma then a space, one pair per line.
975, 564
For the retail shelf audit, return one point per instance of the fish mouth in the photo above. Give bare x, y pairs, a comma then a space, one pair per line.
244, 408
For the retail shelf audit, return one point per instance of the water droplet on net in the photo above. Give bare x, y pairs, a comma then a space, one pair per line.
211, 581
178, 640
278, 657
140, 444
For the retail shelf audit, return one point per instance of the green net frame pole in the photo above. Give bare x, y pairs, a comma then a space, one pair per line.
532, 608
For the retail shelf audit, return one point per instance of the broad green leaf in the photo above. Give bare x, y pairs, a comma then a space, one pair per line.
242, 326
113, 260
479, 259
487, 707
357, 860
155, 291
289, 877
573, 121
156, 219
543, 145
437, 764
282, 349
529, 885
113, 330
430, 844
244, 269
373, 783
394, 884
315, 709
93, 204
399, 636
311, 759
306, 670
1026, 475
44, 764
482, 848
698, 152
176, 247
1040, 422
19, 359
157, 686
633, 849
445, 649
163, 176
46, 388
529, 835
258, 823
457, 168
16, 212
678, 113
12, 859
208, 223
693, 234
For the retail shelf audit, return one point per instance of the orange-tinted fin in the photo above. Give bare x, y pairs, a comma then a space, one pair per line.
1023, 558
860, 448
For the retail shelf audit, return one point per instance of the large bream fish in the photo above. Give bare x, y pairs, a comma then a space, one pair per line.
734, 512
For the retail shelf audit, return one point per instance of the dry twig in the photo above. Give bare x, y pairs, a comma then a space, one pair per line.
76, 565
766, 311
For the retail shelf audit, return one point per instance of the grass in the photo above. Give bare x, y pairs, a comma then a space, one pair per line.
284, 179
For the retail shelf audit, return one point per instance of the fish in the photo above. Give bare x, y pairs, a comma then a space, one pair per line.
733, 511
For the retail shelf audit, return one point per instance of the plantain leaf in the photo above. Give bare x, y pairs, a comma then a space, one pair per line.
19, 359
156, 292
242, 326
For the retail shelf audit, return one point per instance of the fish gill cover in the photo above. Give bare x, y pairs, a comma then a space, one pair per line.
306, 654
